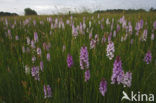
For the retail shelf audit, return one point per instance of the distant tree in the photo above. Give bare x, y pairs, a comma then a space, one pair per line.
152, 9
29, 11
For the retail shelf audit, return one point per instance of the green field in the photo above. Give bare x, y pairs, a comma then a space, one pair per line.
56, 39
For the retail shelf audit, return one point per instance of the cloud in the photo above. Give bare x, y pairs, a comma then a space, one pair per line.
57, 6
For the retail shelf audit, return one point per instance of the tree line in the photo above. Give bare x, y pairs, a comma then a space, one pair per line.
124, 10
8, 14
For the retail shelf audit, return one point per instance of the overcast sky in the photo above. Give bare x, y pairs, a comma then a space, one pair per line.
57, 6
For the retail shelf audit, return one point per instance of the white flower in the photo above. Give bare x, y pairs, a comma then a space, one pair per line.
27, 70
110, 50
92, 44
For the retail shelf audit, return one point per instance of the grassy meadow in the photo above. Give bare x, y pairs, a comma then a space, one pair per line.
25, 41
